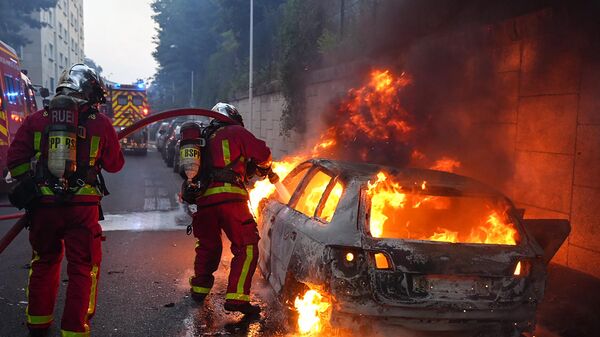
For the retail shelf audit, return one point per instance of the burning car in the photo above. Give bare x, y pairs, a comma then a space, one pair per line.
425, 249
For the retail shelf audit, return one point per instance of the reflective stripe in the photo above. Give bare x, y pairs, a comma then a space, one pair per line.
88, 190
92, 303
37, 141
226, 152
19, 170
85, 190
39, 320
200, 290
94, 145
46, 190
225, 189
239, 297
245, 268
65, 333
30, 318
37, 144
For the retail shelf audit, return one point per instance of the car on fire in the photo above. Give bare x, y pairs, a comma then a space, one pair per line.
425, 249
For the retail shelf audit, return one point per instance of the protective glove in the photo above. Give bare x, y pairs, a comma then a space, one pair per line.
189, 192
273, 177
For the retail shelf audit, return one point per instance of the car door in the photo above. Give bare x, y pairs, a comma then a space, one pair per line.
270, 228
289, 223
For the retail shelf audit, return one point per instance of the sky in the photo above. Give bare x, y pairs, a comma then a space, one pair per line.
118, 37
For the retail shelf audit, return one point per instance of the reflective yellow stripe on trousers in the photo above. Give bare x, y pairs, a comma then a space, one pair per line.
31, 319
240, 295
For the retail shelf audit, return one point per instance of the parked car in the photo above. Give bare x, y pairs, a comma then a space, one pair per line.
169, 135
170, 146
159, 130
329, 235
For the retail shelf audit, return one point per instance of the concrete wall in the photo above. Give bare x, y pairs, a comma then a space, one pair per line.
549, 125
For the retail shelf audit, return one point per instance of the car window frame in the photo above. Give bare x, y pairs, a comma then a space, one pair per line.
307, 178
325, 197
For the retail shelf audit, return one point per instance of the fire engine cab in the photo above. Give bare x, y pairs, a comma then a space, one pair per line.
126, 104
17, 99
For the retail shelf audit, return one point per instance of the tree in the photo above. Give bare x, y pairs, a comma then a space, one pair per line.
15, 15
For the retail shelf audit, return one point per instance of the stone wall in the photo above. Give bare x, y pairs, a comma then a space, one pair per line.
549, 125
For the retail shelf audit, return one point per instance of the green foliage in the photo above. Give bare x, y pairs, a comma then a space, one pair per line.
16, 14
210, 38
301, 28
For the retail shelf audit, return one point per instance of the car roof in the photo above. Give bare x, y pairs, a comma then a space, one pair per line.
444, 182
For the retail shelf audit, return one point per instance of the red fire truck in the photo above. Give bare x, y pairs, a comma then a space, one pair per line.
17, 99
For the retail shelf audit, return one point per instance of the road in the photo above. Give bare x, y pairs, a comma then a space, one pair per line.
148, 259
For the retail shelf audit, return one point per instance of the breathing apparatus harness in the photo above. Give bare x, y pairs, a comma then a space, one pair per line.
208, 173
58, 168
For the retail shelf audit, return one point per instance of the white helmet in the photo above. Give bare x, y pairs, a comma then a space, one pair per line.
229, 111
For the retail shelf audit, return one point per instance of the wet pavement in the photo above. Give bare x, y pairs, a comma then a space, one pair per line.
147, 260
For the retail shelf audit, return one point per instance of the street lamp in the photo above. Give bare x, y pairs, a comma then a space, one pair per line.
251, 63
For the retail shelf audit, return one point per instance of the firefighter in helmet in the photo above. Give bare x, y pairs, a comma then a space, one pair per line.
231, 154
57, 156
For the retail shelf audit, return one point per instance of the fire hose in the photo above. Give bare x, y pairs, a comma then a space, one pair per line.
23, 221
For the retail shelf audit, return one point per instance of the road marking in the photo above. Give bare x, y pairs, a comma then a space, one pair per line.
164, 204
149, 204
162, 192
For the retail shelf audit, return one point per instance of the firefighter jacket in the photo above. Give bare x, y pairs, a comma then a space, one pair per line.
232, 146
100, 149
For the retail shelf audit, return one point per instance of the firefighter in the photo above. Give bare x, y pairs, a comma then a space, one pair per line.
56, 157
229, 156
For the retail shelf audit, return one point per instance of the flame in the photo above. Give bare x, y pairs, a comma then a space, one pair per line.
263, 189
444, 235
312, 309
446, 164
387, 196
383, 193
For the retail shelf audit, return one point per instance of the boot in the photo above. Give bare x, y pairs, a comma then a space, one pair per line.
198, 298
245, 308
40, 332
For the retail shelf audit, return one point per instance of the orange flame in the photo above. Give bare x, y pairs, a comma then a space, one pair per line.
312, 310
446, 164
387, 196
263, 189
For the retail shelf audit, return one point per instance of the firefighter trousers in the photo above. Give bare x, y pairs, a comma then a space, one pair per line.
239, 225
75, 232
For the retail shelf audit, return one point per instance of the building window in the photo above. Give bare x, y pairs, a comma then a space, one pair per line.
60, 30
60, 59
50, 17
50, 51
52, 84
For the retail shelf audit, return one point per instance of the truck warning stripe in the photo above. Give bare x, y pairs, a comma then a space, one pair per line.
3, 131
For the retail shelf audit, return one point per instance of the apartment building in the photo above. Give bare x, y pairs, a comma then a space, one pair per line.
55, 46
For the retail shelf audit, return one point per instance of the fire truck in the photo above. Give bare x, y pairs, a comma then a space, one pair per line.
17, 99
126, 104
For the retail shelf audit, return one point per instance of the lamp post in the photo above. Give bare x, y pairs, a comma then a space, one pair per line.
250, 84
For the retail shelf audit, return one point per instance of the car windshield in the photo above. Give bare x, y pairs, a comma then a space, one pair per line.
421, 214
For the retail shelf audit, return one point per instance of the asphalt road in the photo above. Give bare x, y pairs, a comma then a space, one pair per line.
147, 261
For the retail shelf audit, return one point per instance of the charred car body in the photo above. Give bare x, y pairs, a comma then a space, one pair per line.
328, 235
